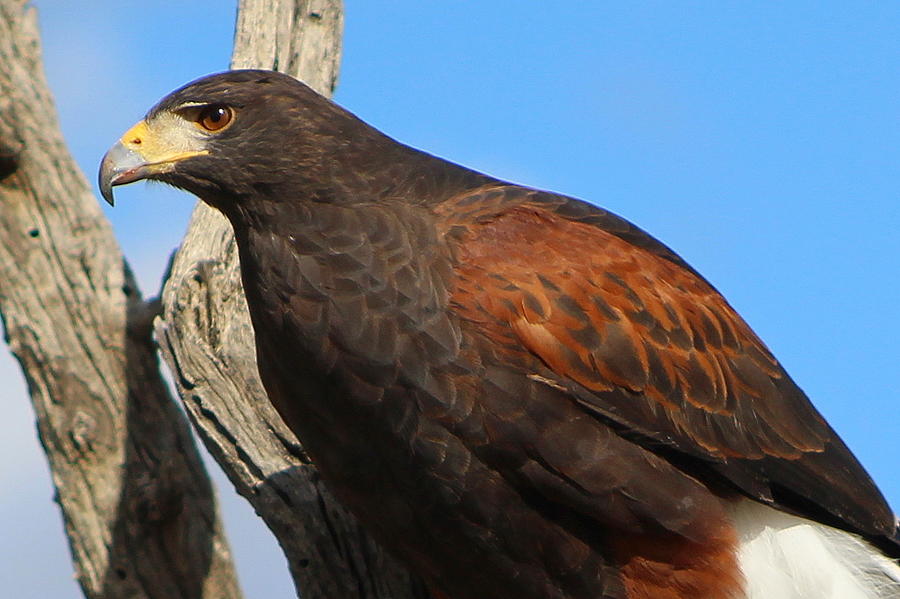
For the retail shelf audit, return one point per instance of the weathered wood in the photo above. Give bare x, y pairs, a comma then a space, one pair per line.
207, 339
138, 507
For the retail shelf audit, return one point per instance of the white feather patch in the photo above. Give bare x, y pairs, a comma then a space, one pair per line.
787, 557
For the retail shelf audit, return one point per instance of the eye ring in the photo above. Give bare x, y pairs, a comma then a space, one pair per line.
215, 117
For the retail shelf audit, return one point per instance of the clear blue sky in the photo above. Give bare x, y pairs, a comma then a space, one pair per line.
759, 140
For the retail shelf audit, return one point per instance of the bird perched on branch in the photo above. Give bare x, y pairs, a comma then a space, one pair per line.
518, 393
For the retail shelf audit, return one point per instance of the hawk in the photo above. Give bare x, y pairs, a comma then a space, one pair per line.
518, 393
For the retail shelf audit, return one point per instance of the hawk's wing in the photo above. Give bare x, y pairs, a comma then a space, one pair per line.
594, 306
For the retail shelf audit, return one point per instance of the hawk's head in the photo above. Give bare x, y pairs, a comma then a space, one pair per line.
230, 136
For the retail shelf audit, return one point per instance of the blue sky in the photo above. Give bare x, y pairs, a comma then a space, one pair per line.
759, 140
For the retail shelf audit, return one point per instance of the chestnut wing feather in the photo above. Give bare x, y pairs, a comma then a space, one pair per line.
592, 304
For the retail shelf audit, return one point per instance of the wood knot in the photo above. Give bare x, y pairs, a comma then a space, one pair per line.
11, 145
10, 154
83, 431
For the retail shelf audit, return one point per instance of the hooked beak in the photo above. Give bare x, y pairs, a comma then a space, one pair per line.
120, 165
143, 152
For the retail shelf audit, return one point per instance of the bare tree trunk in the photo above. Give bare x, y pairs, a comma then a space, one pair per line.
207, 340
138, 507
136, 502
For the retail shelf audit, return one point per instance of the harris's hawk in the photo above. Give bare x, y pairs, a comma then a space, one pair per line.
520, 394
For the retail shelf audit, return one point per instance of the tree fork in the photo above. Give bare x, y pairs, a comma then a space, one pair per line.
137, 504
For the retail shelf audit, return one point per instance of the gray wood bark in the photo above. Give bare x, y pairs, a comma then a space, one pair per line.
138, 507
207, 340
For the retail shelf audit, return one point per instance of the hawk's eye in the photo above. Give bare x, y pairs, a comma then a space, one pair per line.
215, 117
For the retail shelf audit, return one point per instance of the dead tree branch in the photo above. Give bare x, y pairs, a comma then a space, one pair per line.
207, 340
138, 507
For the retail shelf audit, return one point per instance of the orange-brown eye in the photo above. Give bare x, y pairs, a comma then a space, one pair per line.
215, 117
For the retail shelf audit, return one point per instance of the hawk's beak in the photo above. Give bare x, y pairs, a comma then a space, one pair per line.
143, 152
120, 165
